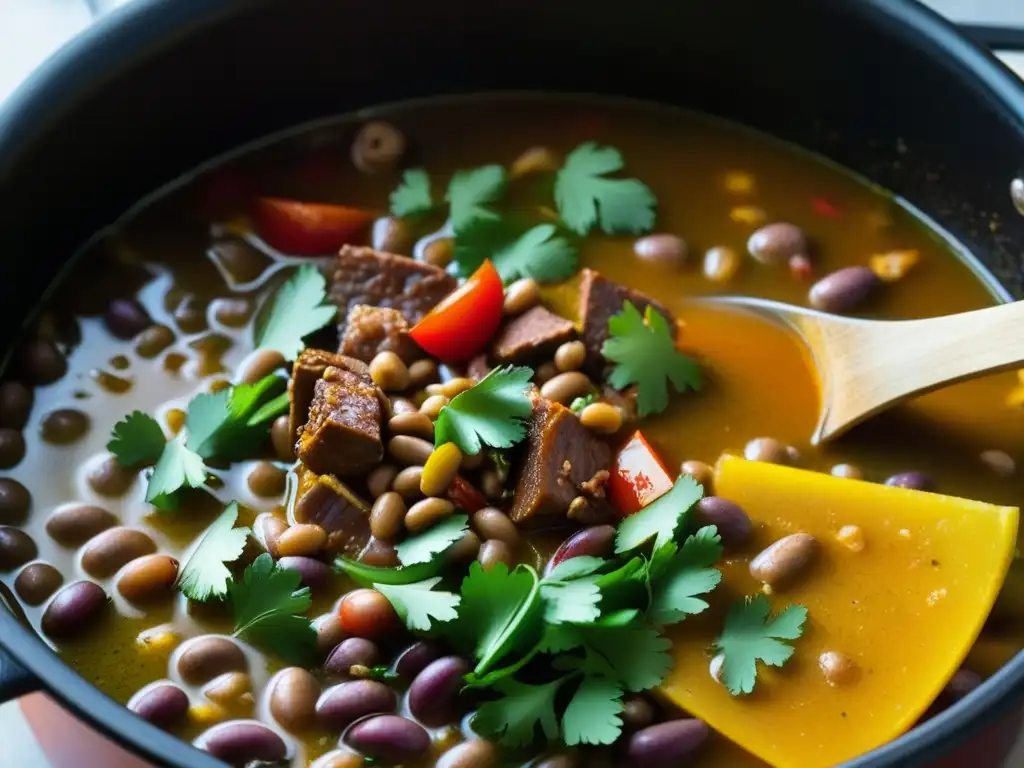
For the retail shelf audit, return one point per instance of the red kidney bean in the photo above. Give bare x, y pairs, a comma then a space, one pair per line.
777, 243
15, 501
293, 696
163, 705
15, 404
42, 362
595, 541
16, 548
353, 651
433, 694
240, 742
12, 447
342, 705
73, 609
844, 290
206, 657
125, 318
415, 659
475, 753
917, 481
315, 575
666, 743
389, 737
732, 522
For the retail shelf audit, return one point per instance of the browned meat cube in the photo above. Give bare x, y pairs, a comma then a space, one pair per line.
326, 501
379, 279
532, 337
563, 461
370, 330
306, 372
342, 436
601, 298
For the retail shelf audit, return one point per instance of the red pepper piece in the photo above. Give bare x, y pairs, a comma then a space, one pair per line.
638, 476
308, 229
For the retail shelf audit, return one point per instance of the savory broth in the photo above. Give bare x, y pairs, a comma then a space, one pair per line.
190, 262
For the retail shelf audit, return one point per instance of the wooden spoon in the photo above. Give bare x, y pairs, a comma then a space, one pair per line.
866, 366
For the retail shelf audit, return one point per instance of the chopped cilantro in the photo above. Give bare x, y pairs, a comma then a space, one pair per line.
538, 252
636, 656
416, 604
492, 413
579, 403
412, 196
369, 575
570, 592
661, 518
469, 192
232, 423
426, 546
515, 716
592, 715
292, 312
177, 468
267, 605
137, 440
586, 197
750, 635
687, 574
203, 575
645, 354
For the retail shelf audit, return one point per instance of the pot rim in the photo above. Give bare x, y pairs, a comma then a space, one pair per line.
134, 31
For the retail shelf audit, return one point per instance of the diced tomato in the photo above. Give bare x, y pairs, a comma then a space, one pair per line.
367, 613
464, 321
308, 229
638, 476
824, 208
465, 496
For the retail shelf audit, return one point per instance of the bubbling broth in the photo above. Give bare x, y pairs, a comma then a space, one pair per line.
162, 309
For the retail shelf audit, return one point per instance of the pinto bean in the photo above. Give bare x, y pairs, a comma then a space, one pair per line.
72, 525
777, 243
520, 296
434, 692
733, 524
475, 753
282, 439
415, 423
389, 372
570, 356
106, 553
1000, 462
780, 563
353, 651
494, 551
387, 516
464, 550
16, 548
148, 578
268, 529
844, 290
602, 418
163, 704
439, 252
340, 706
492, 523
661, 250
301, 540
389, 737
410, 450
380, 479
240, 742
267, 480
73, 609
668, 743
315, 574
293, 696
595, 541
36, 582
203, 658
423, 514
564, 387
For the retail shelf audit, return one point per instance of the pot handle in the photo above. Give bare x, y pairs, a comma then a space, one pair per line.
995, 37
15, 680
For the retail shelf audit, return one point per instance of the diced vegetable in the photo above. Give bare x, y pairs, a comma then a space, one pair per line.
308, 229
465, 496
638, 476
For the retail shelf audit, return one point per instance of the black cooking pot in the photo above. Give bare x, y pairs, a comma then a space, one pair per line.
882, 86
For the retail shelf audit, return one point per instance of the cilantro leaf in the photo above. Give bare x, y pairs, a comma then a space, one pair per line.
515, 716
203, 575
645, 354
686, 575
292, 312
537, 252
491, 413
574, 567
416, 604
750, 635
570, 591
661, 518
412, 196
266, 604
369, 575
559, 638
579, 403
231, 423
592, 715
586, 197
426, 546
470, 191
177, 468
636, 656
137, 440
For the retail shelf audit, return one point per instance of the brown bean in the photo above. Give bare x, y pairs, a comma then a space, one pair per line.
733, 524
341, 705
267, 480
440, 469
378, 147
387, 516
36, 582
492, 523
475, 753
389, 737
15, 404
838, 668
779, 564
700, 472
389, 372
415, 424
64, 426
601, 418
456, 386
351, 652
661, 250
426, 512
721, 264
42, 362
777, 243
432, 406
844, 290
260, 364
439, 252
1000, 462
520, 296
73, 609
301, 540
566, 386
148, 578
293, 696
464, 550
15, 501
154, 340
281, 438
108, 552
163, 704
241, 742
422, 372
233, 312
766, 449
532, 161
268, 529
380, 479
407, 482
12, 447
570, 356
391, 235
409, 450
433, 695
108, 478
638, 712
16, 548
203, 658
849, 471
494, 551
71, 525
329, 632
669, 743
126, 318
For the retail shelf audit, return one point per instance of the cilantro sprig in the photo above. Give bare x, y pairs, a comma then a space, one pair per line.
412, 196
642, 349
204, 574
470, 193
539, 252
661, 518
424, 547
295, 310
588, 198
750, 635
492, 413
418, 605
